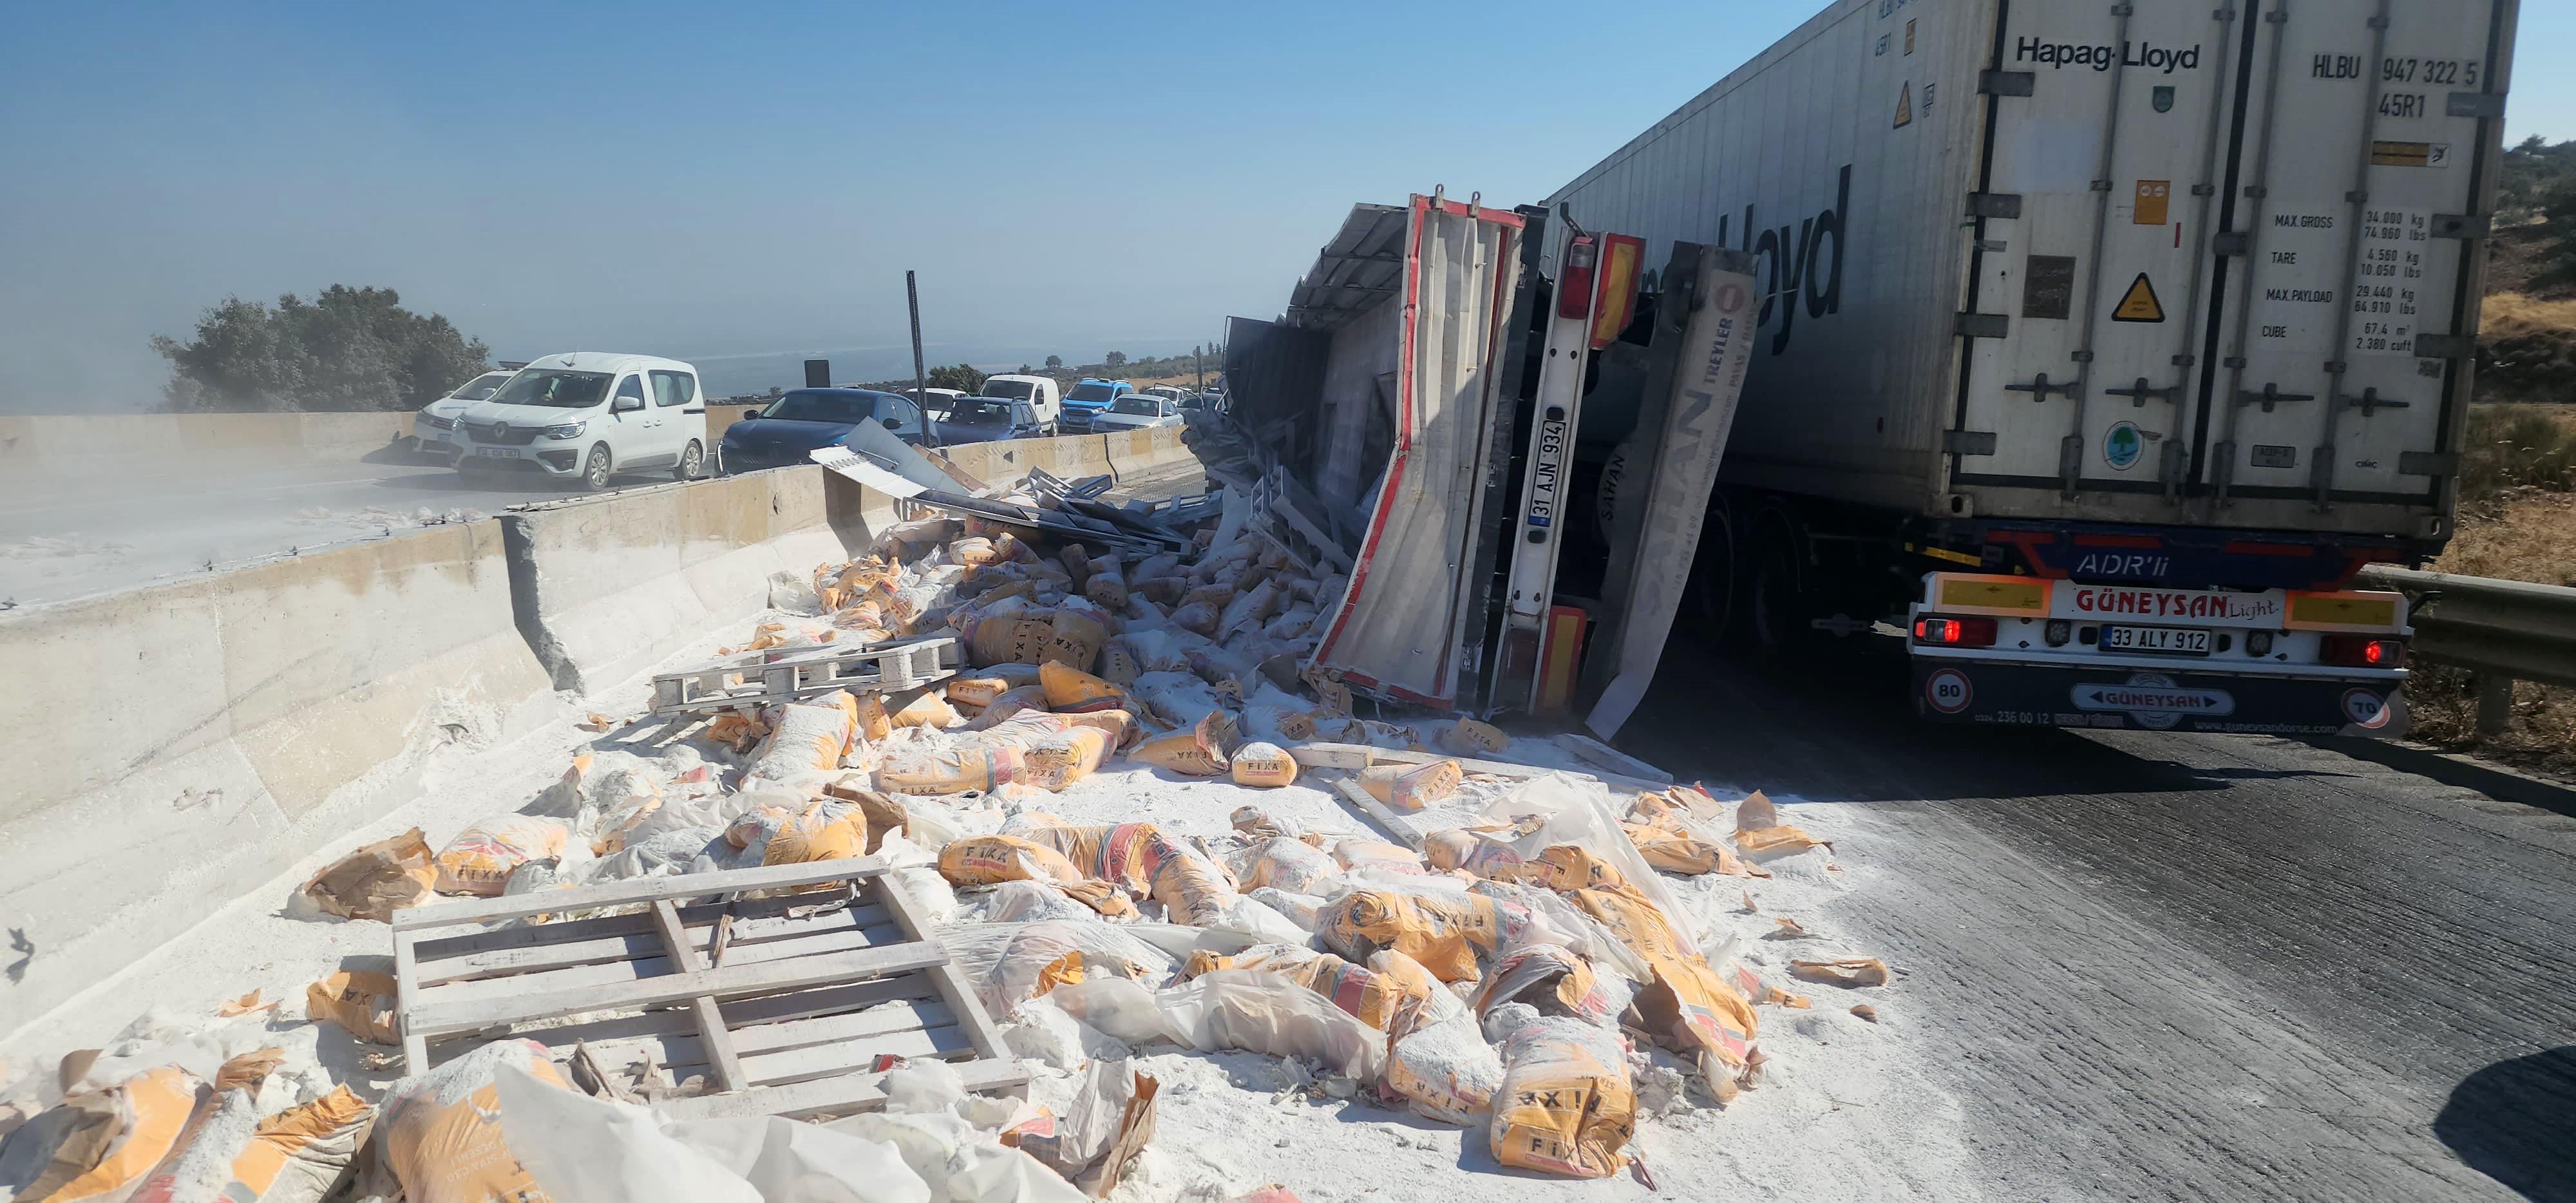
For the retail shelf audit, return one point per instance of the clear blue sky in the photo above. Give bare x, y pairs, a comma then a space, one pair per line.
713, 180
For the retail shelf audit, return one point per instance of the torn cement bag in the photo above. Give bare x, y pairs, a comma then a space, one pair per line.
818, 833
1110, 1120
1555, 981
1070, 690
1850, 973
1121, 726
441, 1131
1687, 1007
361, 1002
1263, 766
968, 764
1292, 865
1068, 757
1473, 853
1679, 852
1776, 841
1445, 935
295, 1156
983, 860
376, 880
922, 708
1566, 1104
1266, 1013
1411, 787
1007, 705
1446, 1071
1012, 964
1075, 639
809, 736
481, 858
1201, 751
1467, 737
98, 1146
1366, 995
1562, 809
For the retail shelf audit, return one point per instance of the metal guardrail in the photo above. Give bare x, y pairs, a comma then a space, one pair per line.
2504, 631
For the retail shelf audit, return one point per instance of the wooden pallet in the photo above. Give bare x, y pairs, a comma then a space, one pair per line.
766, 678
784, 1005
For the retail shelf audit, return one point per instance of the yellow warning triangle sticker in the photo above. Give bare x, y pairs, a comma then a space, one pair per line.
2139, 304
1904, 105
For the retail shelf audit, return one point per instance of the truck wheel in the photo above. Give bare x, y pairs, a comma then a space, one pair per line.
1775, 610
595, 472
693, 462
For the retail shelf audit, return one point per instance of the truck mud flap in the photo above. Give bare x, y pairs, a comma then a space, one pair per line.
2026, 695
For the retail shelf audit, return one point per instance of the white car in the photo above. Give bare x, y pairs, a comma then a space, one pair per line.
1136, 411
586, 417
1040, 391
434, 427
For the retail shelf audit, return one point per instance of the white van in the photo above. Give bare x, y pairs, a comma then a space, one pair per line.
1041, 392
588, 416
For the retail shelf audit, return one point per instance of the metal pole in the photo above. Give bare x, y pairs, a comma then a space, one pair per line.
1198, 364
920, 378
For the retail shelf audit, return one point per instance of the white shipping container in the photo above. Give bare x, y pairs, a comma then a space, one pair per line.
2182, 262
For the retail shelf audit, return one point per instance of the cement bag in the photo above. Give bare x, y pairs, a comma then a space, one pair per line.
296, 1156
1006, 705
1364, 994
1263, 765
481, 858
1198, 618
1570, 810
1469, 738
1201, 751
1554, 981
1446, 1071
1107, 587
819, 833
976, 691
1292, 865
98, 1146
1120, 726
1073, 691
1472, 853
1214, 597
983, 860
809, 737
870, 723
973, 551
1381, 858
441, 1131
361, 1002
1676, 851
1445, 935
1411, 787
924, 708
965, 765
1687, 1007
1010, 964
376, 880
1065, 759
1306, 911
1266, 1013
1566, 1105
1075, 639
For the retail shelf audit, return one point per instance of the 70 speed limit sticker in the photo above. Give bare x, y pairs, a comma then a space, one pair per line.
1948, 691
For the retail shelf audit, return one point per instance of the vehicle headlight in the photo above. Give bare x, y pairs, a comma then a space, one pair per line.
569, 430
434, 422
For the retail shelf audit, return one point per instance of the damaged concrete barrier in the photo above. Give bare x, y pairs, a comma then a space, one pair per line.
607, 586
172, 748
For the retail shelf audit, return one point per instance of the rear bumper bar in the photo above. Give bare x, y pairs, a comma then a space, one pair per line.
2001, 693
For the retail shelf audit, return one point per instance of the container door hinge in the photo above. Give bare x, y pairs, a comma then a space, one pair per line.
1994, 204
2475, 104
2428, 463
2040, 387
2269, 397
1968, 442
1984, 325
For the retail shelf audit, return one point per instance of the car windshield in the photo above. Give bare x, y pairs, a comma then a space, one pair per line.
979, 412
1132, 404
1012, 390
479, 388
847, 408
555, 388
1091, 392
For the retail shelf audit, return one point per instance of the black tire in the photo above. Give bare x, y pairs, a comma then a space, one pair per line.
596, 470
1775, 612
693, 462
1714, 575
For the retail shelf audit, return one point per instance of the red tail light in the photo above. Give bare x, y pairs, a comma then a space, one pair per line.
2362, 651
1954, 632
1574, 287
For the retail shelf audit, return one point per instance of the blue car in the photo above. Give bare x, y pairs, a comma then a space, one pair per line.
796, 423
1091, 397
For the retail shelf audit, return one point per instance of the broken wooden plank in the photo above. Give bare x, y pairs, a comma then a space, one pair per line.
407, 988
632, 923
843, 1095
711, 1028
651, 962
1586, 748
620, 893
1385, 817
533, 957
448, 1019
953, 989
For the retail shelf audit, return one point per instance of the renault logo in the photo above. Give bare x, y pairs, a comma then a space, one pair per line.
499, 428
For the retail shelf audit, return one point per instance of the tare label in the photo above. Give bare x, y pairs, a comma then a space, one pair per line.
2387, 280
1548, 474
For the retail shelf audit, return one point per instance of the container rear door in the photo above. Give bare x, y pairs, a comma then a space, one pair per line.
2093, 278
2368, 132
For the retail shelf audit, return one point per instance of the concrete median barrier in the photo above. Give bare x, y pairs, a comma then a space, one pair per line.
173, 748
607, 586
72, 444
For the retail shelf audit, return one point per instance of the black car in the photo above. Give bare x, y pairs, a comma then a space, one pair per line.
987, 420
793, 425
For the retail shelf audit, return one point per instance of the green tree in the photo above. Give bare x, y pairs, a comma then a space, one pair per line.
346, 349
1055, 363
1114, 360
963, 377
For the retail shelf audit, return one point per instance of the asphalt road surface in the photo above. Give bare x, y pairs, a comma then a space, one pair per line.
66, 538
2173, 966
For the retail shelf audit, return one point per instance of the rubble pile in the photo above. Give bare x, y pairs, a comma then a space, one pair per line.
1403, 913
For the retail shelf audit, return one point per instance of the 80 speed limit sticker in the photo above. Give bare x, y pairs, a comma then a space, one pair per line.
1948, 691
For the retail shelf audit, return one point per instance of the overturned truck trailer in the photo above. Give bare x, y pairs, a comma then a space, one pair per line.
1509, 430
